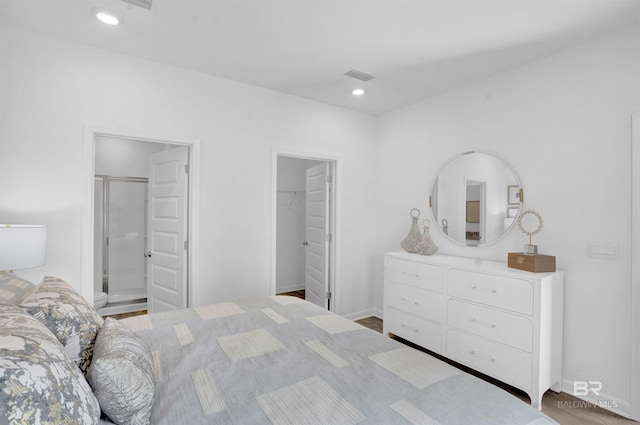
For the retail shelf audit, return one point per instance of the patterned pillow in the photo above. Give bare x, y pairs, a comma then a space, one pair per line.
13, 289
121, 374
38, 381
68, 316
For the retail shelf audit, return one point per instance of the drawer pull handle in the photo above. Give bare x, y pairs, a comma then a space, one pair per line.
491, 291
488, 359
406, 274
488, 325
409, 328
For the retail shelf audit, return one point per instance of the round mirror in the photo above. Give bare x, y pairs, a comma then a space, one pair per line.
475, 198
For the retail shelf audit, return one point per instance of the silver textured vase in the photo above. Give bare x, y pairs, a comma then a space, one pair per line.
414, 237
426, 246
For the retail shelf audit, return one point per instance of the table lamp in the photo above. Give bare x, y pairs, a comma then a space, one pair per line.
22, 246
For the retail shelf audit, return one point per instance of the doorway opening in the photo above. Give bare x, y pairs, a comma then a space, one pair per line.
140, 225
120, 275
304, 228
475, 212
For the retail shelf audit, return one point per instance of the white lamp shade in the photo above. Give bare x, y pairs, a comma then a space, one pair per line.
22, 246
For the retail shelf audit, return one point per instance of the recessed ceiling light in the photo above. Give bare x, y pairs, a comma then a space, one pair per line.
357, 92
106, 17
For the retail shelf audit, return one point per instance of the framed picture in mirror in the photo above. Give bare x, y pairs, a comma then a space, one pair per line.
473, 211
513, 195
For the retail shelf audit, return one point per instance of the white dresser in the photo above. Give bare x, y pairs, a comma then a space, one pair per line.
500, 321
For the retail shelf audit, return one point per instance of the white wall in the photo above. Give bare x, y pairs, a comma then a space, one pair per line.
50, 89
290, 227
564, 125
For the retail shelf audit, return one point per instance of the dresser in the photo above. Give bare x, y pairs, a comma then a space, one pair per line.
503, 322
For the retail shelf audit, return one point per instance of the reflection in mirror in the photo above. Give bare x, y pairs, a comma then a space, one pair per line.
475, 198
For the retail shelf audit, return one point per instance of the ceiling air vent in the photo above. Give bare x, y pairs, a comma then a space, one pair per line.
359, 75
145, 4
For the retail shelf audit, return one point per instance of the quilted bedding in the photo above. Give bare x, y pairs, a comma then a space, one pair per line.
281, 360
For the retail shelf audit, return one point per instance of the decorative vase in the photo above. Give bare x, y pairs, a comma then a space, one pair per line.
409, 243
426, 246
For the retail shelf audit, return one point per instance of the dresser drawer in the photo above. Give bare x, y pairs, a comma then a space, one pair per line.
506, 328
420, 275
423, 332
499, 291
506, 364
410, 299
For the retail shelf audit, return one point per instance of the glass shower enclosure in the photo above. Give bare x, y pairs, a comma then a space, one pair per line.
120, 267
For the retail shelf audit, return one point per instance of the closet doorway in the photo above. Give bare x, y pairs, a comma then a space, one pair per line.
305, 201
140, 225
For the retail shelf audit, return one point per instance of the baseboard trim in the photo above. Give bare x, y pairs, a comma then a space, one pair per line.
109, 310
364, 314
289, 289
603, 400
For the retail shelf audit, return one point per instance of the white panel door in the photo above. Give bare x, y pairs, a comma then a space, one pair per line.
317, 248
167, 254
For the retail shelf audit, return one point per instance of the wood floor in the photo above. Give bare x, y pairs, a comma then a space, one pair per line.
125, 315
371, 323
299, 294
562, 407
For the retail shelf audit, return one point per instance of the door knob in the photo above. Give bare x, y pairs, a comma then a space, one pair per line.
147, 254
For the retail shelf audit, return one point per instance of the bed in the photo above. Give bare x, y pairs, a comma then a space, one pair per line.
277, 360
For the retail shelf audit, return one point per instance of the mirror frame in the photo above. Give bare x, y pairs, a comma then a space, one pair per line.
437, 225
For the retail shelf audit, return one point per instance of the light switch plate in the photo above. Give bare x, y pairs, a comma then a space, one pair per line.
606, 250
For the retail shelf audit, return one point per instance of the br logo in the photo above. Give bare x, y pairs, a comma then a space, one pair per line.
582, 388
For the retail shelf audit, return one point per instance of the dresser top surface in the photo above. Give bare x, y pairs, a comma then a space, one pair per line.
453, 261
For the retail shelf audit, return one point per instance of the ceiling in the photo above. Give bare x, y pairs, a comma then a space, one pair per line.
415, 48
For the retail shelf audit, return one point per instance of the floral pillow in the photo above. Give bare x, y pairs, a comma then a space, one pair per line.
13, 289
39, 382
68, 316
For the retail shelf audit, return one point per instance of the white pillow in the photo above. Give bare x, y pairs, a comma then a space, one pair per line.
121, 374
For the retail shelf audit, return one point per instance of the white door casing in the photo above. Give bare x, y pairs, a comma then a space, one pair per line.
317, 235
168, 230
88, 202
635, 267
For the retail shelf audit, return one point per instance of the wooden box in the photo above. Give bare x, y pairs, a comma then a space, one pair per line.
536, 263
